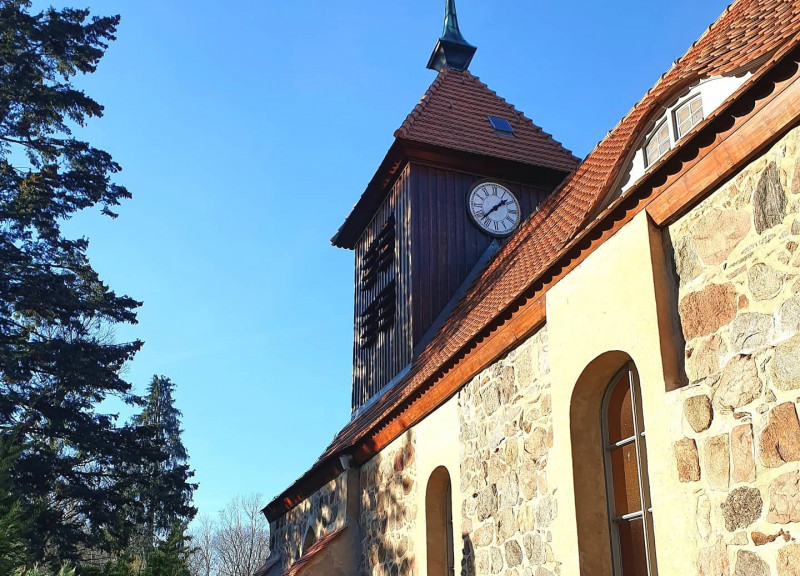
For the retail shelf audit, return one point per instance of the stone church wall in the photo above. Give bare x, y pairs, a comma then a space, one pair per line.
738, 458
388, 510
505, 435
323, 511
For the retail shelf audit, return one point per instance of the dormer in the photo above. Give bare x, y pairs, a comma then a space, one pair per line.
670, 124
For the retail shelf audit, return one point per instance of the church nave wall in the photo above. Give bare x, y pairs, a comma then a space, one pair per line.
389, 510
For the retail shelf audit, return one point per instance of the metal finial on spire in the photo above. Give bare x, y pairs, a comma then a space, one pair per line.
452, 49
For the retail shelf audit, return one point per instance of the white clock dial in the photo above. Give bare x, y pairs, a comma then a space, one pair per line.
494, 208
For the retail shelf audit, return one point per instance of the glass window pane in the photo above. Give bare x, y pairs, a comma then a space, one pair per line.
659, 144
626, 480
689, 115
620, 415
631, 548
652, 151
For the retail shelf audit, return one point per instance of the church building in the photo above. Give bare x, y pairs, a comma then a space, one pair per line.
566, 367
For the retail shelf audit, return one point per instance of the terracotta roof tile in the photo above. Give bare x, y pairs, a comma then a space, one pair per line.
313, 551
454, 113
747, 31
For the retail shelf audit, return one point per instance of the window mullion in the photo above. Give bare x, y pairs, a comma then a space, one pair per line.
644, 484
629, 516
622, 443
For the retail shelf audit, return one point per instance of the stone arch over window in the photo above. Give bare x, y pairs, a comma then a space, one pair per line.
439, 524
309, 539
598, 405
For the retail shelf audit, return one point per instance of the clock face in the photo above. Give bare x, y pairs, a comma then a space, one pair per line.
494, 208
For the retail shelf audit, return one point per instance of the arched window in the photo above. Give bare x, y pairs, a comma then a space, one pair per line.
309, 540
630, 515
439, 524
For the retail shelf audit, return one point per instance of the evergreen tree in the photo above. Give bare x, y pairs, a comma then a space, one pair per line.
166, 493
170, 556
58, 360
12, 545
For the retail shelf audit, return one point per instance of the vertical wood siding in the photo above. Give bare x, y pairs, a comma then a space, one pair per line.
447, 243
377, 364
429, 205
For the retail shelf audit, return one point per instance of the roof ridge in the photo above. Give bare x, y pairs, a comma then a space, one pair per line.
426, 98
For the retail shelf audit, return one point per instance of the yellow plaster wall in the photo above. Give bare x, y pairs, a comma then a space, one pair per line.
608, 303
437, 445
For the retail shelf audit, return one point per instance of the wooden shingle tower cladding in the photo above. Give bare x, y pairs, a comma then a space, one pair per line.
416, 246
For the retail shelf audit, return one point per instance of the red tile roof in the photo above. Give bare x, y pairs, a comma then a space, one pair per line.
454, 113
747, 31
313, 551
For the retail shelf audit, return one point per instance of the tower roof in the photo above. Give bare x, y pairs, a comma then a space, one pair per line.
454, 113
454, 117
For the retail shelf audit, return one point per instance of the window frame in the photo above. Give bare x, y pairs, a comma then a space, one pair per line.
661, 124
439, 523
638, 438
687, 102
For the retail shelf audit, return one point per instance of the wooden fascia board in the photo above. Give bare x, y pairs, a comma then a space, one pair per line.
376, 191
524, 323
307, 484
489, 166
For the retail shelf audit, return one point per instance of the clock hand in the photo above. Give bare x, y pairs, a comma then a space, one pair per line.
495, 207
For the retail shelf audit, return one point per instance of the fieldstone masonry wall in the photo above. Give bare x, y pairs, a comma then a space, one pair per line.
506, 434
388, 510
324, 512
738, 264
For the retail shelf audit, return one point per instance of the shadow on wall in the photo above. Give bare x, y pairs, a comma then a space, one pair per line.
388, 512
467, 556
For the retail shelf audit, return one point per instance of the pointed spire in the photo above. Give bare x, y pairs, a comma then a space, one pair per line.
452, 49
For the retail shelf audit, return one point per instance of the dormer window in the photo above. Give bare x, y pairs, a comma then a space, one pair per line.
501, 126
688, 115
658, 145
678, 118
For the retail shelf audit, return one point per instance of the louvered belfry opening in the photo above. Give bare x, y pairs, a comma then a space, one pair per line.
382, 343
380, 254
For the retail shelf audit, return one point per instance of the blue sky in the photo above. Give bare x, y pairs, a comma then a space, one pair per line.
247, 130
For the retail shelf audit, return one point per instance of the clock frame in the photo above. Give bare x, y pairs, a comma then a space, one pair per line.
493, 208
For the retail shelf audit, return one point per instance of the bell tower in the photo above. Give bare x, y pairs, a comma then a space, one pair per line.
465, 169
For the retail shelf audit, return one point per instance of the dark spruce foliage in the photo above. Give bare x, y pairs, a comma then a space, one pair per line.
165, 493
78, 473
